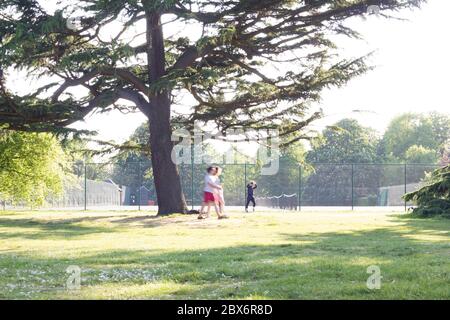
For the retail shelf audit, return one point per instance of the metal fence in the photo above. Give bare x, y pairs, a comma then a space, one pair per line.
360, 185
129, 185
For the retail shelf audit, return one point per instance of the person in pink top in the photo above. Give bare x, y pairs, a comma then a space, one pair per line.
219, 192
210, 197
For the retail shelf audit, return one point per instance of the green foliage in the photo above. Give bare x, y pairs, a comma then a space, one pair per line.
256, 64
240, 42
132, 167
434, 197
346, 142
31, 167
78, 154
445, 159
287, 178
429, 131
420, 154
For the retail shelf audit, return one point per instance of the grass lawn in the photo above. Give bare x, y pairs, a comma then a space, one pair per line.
274, 255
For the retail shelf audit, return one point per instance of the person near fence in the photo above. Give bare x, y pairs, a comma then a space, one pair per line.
219, 192
251, 186
209, 196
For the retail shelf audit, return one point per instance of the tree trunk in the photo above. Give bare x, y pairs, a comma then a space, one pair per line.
165, 173
166, 178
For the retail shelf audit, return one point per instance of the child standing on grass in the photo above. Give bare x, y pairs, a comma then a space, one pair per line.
250, 198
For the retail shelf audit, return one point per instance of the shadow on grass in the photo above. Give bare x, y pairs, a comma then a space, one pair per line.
153, 221
307, 265
424, 224
49, 229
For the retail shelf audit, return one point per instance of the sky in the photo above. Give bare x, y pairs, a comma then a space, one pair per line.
412, 67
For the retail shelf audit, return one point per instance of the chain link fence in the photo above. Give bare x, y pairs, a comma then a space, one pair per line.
129, 185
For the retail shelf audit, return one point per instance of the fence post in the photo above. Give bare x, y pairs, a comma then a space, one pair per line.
85, 187
300, 187
140, 185
192, 176
245, 182
405, 188
353, 169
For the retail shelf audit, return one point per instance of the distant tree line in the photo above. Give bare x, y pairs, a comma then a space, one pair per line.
409, 138
33, 166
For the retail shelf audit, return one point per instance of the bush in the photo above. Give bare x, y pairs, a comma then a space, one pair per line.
31, 167
434, 198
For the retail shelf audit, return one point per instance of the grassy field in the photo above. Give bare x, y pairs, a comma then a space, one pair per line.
274, 255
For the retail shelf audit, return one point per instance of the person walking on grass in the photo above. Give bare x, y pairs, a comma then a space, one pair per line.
209, 197
250, 198
219, 192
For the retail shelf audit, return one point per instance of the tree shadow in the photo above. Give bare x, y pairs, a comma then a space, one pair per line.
153, 221
424, 224
49, 229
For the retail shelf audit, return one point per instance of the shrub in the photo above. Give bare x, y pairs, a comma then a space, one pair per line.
434, 198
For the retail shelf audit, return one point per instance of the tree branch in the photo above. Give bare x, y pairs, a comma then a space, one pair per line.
123, 74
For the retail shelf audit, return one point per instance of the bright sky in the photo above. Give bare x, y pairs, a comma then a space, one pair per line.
413, 65
412, 59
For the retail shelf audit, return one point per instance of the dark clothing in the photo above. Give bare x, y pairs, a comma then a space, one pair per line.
250, 190
250, 197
